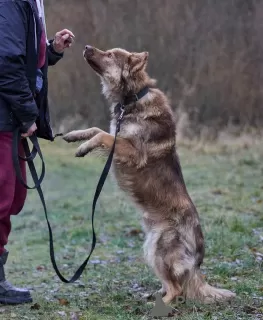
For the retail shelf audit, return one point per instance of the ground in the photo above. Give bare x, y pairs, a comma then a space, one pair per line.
227, 188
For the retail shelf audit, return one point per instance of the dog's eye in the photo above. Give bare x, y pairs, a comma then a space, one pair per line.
110, 55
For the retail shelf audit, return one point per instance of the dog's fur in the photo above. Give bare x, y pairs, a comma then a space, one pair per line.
147, 168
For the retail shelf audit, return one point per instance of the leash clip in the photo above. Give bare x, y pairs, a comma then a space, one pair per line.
122, 112
118, 127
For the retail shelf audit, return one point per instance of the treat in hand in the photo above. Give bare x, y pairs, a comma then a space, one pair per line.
63, 39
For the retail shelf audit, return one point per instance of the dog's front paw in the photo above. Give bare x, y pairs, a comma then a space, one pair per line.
79, 154
71, 137
83, 150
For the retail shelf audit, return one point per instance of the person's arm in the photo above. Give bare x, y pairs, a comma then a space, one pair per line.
53, 56
14, 86
63, 39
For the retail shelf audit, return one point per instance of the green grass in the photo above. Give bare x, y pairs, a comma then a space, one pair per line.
227, 189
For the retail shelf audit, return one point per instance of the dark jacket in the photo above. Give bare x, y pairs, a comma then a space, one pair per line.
20, 32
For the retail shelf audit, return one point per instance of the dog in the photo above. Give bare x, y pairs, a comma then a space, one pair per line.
147, 168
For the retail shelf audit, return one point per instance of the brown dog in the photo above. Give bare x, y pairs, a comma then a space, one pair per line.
147, 168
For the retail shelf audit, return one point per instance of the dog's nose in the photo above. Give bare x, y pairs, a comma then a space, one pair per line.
89, 51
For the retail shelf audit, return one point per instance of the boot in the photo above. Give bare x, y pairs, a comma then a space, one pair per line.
8, 293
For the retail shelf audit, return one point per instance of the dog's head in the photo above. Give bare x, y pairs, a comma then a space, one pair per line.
119, 69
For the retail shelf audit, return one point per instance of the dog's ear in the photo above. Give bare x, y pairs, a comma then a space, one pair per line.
138, 61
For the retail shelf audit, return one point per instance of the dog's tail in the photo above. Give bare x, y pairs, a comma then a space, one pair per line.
195, 288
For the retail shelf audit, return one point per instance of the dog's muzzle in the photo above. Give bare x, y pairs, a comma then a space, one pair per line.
88, 52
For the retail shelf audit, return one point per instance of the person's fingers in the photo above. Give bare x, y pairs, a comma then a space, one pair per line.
64, 41
65, 31
26, 135
70, 39
30, 131
65, 37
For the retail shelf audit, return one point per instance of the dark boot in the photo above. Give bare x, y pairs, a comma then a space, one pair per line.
8, 293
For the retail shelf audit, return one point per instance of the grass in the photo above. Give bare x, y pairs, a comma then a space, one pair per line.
227, 188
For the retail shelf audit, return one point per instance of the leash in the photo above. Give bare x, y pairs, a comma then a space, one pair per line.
29, 158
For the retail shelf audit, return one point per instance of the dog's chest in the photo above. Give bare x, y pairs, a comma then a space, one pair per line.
127, 130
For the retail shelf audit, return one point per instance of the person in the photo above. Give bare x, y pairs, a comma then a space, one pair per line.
25, 55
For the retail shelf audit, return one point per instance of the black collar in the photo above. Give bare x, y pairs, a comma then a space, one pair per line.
135, 97
132, 98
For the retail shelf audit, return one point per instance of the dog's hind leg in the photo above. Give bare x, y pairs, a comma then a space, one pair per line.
156, 256
79, 135
170, 287
162, 291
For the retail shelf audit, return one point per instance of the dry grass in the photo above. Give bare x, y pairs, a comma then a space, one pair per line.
229, 139
206, 55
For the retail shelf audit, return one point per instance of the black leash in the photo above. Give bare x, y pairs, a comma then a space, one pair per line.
30, 156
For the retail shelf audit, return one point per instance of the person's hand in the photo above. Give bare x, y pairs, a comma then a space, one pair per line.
30, 131
63, 39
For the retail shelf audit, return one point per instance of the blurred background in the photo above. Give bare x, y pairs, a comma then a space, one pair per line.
206, 55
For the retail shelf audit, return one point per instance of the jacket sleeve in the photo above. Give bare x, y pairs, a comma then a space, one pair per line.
53, 57
14, 86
